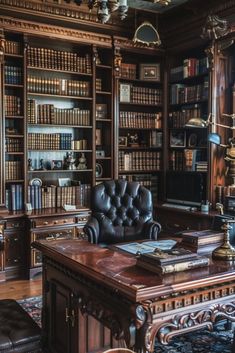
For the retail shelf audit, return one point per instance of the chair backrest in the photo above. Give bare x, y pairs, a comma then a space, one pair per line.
119, 350
121, 206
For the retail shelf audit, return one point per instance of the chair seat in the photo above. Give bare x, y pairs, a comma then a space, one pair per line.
18, 331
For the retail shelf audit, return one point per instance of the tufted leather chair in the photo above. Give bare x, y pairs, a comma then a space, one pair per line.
121, 211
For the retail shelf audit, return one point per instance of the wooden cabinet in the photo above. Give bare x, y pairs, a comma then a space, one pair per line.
14, 248
49, 225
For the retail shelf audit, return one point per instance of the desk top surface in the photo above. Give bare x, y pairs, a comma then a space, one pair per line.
117, 269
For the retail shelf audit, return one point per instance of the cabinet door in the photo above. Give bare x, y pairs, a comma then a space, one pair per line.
63, 324
14, 254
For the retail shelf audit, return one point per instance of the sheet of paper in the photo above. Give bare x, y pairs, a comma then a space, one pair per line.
147, 246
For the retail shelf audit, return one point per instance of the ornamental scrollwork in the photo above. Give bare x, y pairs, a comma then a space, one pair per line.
214, 28
191, 321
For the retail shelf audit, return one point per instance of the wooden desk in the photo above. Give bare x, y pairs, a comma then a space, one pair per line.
83, 282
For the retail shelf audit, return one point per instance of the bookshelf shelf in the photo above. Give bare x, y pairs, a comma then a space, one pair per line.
139, 148
139, 128
190, 79
15, 181
14, 135
136, 80
104, 120
62, 126
16, 56
100, 66
14, 117
200, 101
59, 96
103, 158
10, 85
104, 93
60, 171
15, 153
59, 150
155, 106
139, 171
60, 71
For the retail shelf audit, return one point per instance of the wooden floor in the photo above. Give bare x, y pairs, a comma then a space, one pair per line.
21, 289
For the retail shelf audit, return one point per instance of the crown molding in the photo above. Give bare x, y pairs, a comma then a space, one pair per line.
32, 28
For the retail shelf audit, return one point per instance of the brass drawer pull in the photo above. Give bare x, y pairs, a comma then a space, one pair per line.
55, 222
45, 223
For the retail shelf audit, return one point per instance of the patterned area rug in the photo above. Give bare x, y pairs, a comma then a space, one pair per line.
218, 341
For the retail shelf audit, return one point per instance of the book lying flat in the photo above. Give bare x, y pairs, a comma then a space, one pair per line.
147, 246
193, 262
164, 257
207, 236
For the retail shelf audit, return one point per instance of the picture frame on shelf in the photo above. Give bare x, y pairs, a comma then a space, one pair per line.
150, 72
98, 170
98, 137
64, 182
101, 111
177, 139
122, 141
192, 140
125, 93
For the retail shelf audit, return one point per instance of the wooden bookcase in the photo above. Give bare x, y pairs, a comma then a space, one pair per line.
139, 114
187, 151
14, 121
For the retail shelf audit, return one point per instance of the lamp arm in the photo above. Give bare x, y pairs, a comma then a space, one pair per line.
222, 125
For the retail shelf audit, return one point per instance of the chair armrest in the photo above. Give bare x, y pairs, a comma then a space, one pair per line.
92, 229
151, 229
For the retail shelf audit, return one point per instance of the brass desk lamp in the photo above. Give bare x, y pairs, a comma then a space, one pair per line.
225, 251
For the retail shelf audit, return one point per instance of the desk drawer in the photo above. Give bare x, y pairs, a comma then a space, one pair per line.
15, 224
54, 234
50, 222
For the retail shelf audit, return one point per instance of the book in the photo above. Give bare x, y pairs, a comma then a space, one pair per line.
170, 256
188, 264
202, 237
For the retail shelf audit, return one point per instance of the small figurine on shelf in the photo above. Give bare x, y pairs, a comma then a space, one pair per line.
82, 162
41, 166
30, 166
69, 161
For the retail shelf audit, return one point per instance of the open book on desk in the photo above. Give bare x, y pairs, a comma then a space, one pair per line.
147, 246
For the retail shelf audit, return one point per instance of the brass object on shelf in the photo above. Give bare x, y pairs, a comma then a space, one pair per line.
225, 251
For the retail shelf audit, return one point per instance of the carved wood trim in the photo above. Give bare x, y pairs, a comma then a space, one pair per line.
59, 11
32, 28
128, 44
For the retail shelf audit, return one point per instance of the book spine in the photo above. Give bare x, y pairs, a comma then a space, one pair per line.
183, 266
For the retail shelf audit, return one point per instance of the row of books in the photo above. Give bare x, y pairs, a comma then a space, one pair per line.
14, 197
139, 160
140, 120
49, 114
145, 95
181, 93
58, 196
13, 75
149, 181
14, 144
43, 141
128, 71
12, 47
155, 138
12, 105
58, 86
179, 118
201, 242
188, 160
58, 60
191, 67
13, 170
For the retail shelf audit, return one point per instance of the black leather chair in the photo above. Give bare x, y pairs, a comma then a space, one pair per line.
121, 211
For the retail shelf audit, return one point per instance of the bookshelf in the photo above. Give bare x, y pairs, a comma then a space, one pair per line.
59, 124
14, 121
139, 86
103, 114
188, 101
